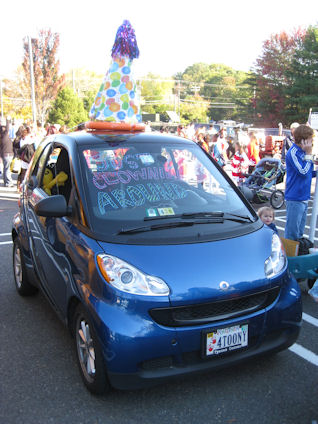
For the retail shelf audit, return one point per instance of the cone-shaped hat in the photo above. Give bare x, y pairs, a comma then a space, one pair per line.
117, 99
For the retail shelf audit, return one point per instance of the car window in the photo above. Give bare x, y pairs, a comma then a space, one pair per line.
56, 178
126, 185
40, 161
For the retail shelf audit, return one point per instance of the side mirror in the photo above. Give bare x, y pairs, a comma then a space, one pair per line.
33, 182
54, 206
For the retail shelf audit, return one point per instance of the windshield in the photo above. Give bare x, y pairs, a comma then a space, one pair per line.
134, 185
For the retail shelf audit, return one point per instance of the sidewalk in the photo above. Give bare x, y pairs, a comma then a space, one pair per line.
9, 192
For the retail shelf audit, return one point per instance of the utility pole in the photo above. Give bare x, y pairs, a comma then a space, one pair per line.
32, 81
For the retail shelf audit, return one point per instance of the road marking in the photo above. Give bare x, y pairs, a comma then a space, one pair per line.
5, 242
304, 353
310, 319
5, 234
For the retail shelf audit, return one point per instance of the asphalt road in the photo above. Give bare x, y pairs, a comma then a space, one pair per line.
40, 382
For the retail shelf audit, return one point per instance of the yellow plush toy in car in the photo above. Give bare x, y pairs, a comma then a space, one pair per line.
49, 181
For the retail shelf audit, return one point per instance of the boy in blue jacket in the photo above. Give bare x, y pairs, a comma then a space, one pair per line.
300, 171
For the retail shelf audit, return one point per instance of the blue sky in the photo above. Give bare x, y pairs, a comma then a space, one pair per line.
171, 34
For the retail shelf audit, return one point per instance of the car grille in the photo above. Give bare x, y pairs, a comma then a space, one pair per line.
210, 312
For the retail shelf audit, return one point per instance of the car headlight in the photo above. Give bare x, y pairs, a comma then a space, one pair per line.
277, 260
129, 279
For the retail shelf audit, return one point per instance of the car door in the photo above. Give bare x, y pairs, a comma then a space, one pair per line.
50, 235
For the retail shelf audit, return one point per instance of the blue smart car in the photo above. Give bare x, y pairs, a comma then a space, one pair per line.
151, 255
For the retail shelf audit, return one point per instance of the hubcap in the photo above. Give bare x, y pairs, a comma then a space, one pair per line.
85, 349
17, 267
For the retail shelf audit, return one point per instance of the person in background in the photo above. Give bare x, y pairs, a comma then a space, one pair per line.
25, 153
202, 142
190, 131
288, 141
267, 215
6, 152
299, 174
51, 130
239, 163
222, 144
148, 127
63, 129
40, 131
215, 152
231, 148
253, 152
211, 132
180, 131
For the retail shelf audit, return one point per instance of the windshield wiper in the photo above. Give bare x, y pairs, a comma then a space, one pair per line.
190, 215
237, 218
156, 227
217, 215
212, 216
216, 220
203, 215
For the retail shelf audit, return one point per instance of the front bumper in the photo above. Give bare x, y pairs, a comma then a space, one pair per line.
140, 353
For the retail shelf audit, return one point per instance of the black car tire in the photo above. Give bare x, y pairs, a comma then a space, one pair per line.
22, 284
89, 354
277, 199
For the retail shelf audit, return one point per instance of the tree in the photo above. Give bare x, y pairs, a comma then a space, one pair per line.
220, 86
194, 109
67, 109
47, 81
18, 92
271, 80
156, 94
302, 92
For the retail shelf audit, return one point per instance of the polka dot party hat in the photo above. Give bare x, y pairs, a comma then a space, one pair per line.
117, 100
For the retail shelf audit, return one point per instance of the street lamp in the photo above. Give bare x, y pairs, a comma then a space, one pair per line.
32, 81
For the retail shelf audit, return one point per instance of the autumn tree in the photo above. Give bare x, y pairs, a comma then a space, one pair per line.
47, 81
271, 70
18, 93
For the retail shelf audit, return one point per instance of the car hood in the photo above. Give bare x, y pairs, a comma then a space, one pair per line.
195, 271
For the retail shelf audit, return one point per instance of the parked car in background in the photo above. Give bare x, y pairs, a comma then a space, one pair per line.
151, 256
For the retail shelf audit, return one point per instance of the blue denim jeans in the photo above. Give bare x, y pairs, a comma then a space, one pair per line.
295, 219
6, 160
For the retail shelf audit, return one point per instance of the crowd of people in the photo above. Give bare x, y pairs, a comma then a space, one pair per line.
20, 142
226, 150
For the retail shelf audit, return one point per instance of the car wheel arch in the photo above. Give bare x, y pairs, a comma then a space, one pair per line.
71, 308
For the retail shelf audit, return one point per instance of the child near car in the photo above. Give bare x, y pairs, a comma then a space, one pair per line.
267, 215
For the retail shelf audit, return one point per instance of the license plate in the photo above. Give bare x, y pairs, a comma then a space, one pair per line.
226, 339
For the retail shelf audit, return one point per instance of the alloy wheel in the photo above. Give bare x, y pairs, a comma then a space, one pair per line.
85, 349
18, 267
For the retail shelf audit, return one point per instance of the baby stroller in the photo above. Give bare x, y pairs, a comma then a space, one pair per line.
262, 182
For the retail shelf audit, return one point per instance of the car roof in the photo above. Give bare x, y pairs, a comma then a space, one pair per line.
98, 137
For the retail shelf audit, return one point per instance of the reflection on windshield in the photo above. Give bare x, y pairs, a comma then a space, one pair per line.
127, 184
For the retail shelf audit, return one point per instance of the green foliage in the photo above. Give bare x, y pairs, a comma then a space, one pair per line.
156, 94
193, 110
221, 87
68, 109
88, 100
302, 93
